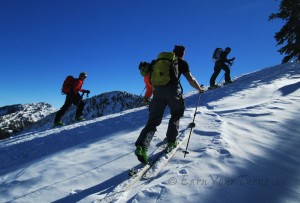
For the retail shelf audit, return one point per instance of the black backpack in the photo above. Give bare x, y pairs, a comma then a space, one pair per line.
216, 54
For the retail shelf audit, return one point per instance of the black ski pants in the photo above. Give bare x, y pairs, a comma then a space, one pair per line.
71, 98
217, 69
168, 95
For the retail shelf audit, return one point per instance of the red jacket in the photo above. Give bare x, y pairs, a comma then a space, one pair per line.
77, 86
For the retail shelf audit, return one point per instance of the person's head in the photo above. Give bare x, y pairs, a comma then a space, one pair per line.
82, 76
227, 49
179, 51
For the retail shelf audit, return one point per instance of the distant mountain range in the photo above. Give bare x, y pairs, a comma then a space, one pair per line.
19, 118
15, 118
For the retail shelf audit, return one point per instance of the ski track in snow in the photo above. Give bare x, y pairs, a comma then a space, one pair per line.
245, 148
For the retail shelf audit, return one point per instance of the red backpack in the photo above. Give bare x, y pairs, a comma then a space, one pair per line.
68, 85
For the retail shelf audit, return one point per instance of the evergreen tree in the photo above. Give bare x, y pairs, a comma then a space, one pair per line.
289, 34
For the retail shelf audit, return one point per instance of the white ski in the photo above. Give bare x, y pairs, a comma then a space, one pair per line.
162, 161
119, 190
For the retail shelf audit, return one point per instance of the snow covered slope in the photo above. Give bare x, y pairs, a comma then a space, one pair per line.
245, 148
96, 106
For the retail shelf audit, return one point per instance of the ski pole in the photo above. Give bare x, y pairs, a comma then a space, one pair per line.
80, 99
87, 95
191, 125
221, 79
224, 73
143, 91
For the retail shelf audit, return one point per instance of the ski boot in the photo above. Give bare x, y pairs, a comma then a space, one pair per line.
79, 118
58, 123
141, 153
212, 87
171, 145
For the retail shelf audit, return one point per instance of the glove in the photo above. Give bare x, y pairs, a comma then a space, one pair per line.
191, 125
231, 61
86, 91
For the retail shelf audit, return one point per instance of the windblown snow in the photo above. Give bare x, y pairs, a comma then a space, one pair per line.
245, 148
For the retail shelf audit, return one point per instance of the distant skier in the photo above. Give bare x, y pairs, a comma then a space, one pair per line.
164, 95
220, 58
146, 70
73, 97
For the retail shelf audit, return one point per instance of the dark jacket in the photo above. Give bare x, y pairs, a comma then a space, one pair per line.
223, 57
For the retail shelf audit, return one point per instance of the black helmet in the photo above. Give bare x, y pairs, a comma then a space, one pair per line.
83, 75
228, 48
179, 50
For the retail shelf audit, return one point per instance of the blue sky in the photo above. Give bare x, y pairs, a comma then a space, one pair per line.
43, 41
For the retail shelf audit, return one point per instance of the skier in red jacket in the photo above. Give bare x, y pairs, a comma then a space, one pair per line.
73, 98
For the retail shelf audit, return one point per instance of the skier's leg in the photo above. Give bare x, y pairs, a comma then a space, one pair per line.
214, 76
176, 104
227, 74
63, 109
156, 110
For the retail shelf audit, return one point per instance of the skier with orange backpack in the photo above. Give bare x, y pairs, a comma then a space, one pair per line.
72, 87
146, 70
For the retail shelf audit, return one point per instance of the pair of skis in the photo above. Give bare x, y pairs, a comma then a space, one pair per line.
219, 86
162, 161
157, 161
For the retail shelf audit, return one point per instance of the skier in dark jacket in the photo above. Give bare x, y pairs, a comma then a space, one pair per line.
220, 64
73, 98
170, 95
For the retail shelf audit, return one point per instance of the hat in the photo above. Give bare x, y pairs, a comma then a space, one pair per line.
179, 50
83, 75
